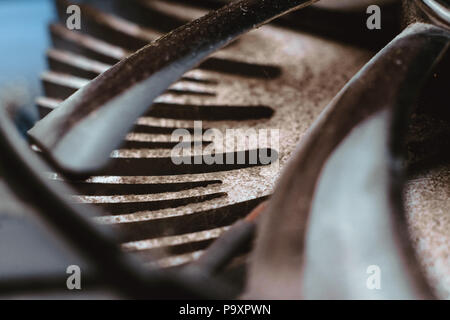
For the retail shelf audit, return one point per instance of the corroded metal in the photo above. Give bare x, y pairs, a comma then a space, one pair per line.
92, 120
409, 59
214, 196
169, 215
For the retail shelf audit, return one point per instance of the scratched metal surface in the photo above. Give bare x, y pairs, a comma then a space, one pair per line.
182, 220
311, 71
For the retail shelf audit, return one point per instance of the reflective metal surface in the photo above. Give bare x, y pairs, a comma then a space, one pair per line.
359, 177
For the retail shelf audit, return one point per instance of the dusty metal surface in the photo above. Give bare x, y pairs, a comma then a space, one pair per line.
278, 78
194, 221
93, 121
418, 48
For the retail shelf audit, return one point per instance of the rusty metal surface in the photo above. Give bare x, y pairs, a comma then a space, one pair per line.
417, 48
272, 78
168, 223
93, 121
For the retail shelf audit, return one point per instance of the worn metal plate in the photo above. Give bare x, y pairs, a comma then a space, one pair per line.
289, 73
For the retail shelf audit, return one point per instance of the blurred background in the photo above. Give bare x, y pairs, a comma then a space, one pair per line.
24, 40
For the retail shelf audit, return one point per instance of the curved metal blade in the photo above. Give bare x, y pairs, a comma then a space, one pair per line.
391, 81
79, 136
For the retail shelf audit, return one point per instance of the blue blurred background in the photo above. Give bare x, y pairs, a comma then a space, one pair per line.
23, 42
